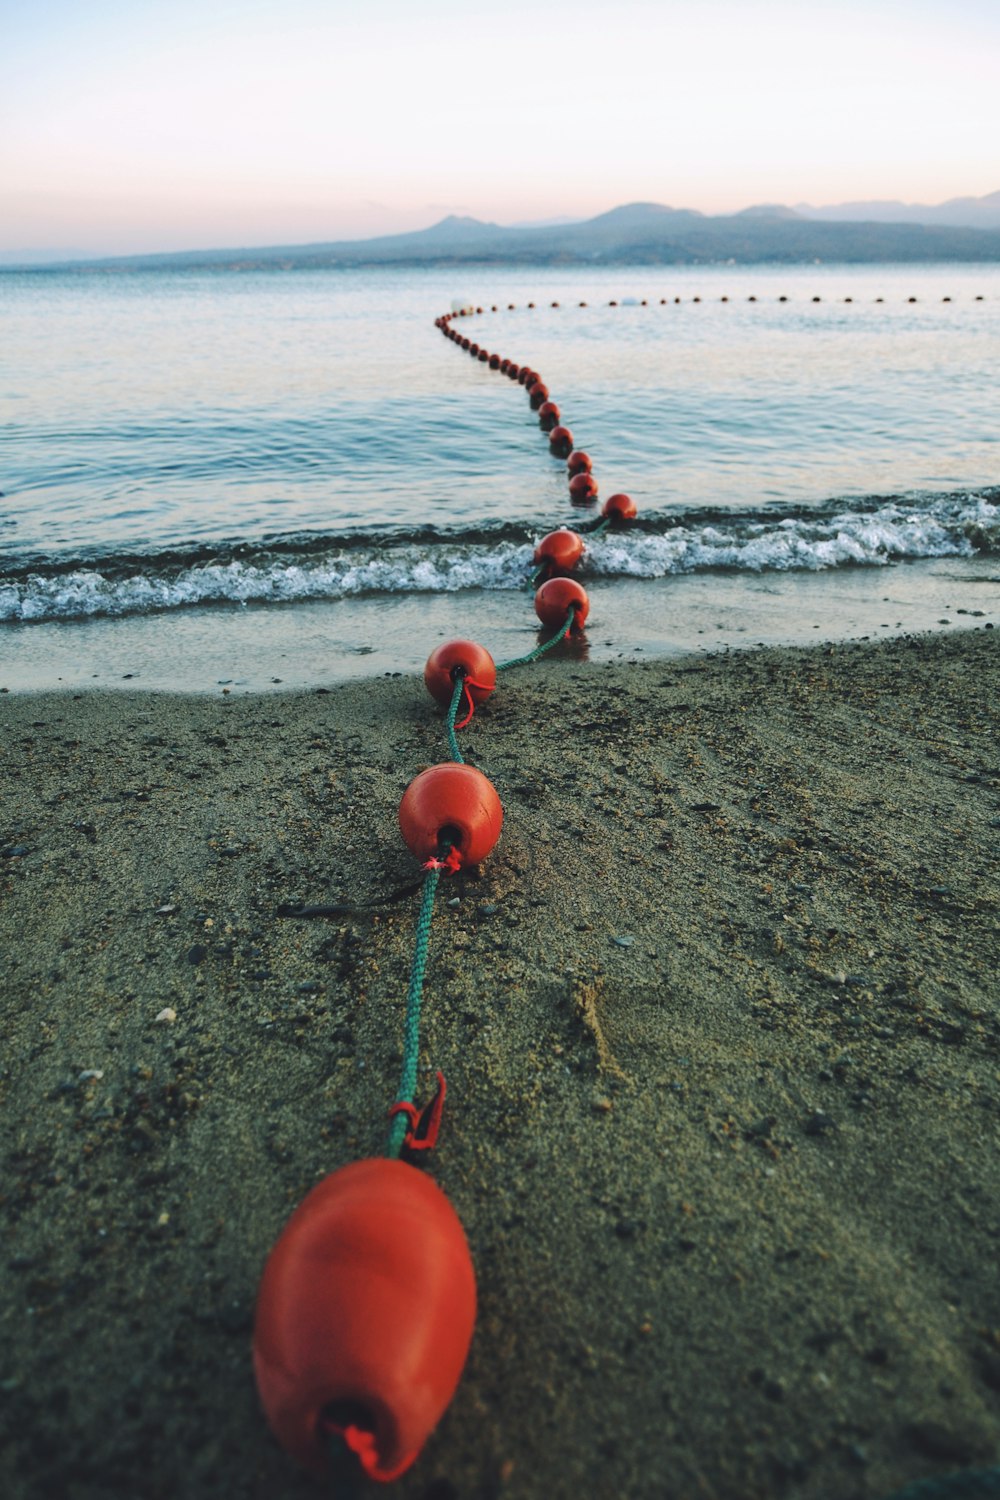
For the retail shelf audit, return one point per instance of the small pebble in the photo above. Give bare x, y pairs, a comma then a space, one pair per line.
90, 1073
601, 1104
167, 1016
623, 942
164, 911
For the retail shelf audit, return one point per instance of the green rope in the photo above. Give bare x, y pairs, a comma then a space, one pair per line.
411, 1039
968, 1484
536, 575
456, 699
600, 528
560, 635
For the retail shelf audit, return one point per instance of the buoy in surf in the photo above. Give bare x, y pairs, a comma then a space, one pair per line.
619, 508
561, 551
451, 805
561, 441
548, 415
364, 1318
583, 488
456, 659
579, 462
556, 598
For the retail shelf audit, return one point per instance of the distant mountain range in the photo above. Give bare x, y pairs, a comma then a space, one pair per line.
648, 234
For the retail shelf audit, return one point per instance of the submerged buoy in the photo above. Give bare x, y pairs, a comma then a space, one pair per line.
561, 441
456, 659
583, 488
619, 508
556, 598
579, 462
450, 804
561, 550
364, 1317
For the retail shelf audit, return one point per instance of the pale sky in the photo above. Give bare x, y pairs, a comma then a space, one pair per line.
135, 125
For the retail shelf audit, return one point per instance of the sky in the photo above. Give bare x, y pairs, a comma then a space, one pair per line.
142, 125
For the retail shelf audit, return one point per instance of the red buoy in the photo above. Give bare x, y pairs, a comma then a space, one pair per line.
474, 350
526, 375
514, 371
364, 1317
504, 366
555, 599
538, 394
456, 659
619, 508
561, 441
561, 550
454, 804
579, 462
548, 415
466, 343
583, 488
484, 355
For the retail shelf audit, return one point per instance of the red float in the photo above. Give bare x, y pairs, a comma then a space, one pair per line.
526, 375
579, 462
364, 1317
583, 488
466, 343
561, 550
456, 659
504, 366
484, 355
450, 804
556, 598
548, 415
561, 441
474, 350
619, 508
538, 394
514, 372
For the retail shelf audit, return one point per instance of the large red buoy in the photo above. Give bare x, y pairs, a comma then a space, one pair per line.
555, 599
548, 415
456, 659
561, 441
561, 550
538, 394
364, 1317
619, 508
579, 462
451, 804
583, 488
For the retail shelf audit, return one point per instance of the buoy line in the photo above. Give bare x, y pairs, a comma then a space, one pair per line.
367, 1302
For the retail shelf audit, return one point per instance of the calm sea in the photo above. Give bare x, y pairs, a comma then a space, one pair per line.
297, 463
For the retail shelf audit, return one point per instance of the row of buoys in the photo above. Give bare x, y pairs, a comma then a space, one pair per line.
465, 312
367, 1303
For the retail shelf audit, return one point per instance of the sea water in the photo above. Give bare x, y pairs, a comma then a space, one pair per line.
244, 476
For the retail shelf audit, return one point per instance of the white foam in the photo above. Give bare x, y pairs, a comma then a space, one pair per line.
893, 532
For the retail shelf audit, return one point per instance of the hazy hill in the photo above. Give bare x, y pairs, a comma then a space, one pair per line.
634, 234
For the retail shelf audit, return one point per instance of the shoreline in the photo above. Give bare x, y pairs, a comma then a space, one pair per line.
719, 1018
262, 649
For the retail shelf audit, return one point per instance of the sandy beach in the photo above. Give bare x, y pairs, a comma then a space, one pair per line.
719, 1019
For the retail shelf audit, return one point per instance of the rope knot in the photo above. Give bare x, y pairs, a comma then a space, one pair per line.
424, 1123
451, 863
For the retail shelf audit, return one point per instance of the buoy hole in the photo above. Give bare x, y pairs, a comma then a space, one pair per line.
449, 837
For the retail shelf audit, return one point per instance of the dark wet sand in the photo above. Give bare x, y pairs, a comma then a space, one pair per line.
720, 1021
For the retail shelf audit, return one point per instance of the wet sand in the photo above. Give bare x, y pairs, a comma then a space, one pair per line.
719, 1018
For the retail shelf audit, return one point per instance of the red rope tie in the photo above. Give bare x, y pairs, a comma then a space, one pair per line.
424, 1123
450, 864
467, 683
